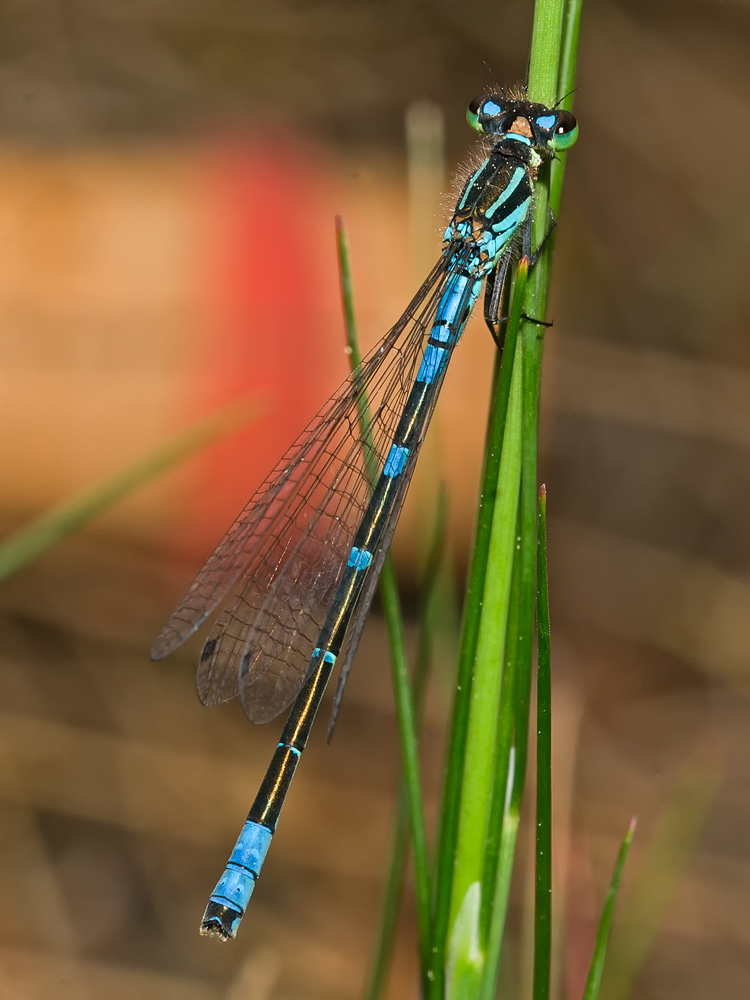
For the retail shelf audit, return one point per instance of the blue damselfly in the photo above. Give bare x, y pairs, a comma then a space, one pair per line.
301, 562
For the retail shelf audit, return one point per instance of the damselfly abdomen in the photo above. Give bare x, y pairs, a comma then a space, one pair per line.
297, 570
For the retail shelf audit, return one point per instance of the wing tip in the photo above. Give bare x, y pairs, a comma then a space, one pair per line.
167, 642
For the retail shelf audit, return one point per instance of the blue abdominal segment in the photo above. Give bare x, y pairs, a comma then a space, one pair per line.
327, 658
359, 559
395, 462
430, 366
228, 902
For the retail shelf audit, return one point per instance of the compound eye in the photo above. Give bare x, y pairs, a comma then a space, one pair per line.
565, 131
566, 122
482, 111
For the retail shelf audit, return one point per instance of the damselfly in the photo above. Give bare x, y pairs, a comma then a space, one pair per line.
301, 562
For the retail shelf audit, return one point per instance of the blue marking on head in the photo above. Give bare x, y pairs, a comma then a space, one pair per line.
545, 121
518, 138
490, 108
358, 559
430, 363
396, 461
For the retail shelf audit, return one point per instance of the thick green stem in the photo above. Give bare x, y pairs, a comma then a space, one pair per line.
465, 957
483, 714
451, 798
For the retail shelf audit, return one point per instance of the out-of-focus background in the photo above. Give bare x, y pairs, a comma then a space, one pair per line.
169, 175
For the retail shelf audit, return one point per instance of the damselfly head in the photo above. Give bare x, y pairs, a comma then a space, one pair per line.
545, 128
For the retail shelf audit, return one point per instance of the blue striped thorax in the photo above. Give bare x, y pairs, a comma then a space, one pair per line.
497, 196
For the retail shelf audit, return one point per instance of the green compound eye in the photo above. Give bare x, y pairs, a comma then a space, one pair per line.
565, 131
481, 111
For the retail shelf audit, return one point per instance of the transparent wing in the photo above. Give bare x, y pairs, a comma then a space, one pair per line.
285, 552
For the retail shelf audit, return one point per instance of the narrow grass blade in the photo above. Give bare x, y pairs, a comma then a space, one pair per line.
544, 70
389, 907
46, 531
503, 751
591, 992
396, 870
405, 708
410, 755
672, 846
543, 875
511, 818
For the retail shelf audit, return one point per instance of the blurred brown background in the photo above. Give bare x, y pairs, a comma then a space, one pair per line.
169, 173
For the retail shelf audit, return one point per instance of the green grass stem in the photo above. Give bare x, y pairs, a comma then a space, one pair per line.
544, 67
504, 871
405, 709
568, 59
669, 853
503, 751
543, 873
399, 847
546, 45
391, 901
46, 531
406, 715
593, 982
